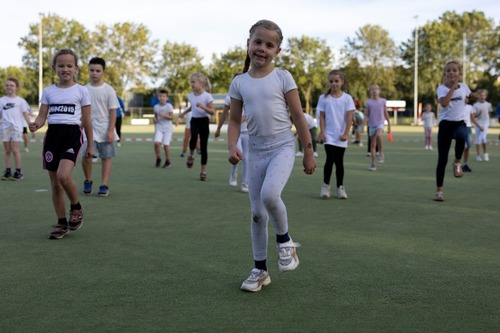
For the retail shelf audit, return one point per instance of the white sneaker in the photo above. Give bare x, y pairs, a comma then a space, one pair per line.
325, 191
299, 154
288, 259
478, 158
426, 147
244, 188
341, 192
372, 168
26, 149
233, 179
486, 157
381, 158
430, 147
256, 280
315, 154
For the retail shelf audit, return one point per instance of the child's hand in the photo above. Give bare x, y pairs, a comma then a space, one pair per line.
343, 137
309, 164
33, 127
235, 156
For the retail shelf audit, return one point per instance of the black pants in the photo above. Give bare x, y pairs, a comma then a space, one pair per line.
449, 130
118, 127
334, 155
200, 127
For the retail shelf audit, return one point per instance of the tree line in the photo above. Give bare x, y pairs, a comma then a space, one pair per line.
136, 60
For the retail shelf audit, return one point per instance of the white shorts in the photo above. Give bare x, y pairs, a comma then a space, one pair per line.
372, 130
481, 135
10, 134
163, 137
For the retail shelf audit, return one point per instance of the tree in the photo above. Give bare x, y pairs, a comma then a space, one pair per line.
128, 49
178, 62
223, 68
308, 60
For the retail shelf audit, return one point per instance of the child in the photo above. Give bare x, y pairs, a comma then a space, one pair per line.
66, 107
357, 123
429, 120
481, 120
202, 108
120, 114
311, 124
336, 112
104, 105
375, 114
242, 145
452, 96
269, 97
163, 115
15, 111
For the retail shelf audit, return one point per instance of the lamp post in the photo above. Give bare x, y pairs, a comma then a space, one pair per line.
415, 81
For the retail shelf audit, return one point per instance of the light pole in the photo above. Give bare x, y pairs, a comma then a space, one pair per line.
464, 59
415, 81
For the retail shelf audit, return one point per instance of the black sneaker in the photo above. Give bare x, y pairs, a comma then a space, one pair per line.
75, 219
7, 175
466, 168
158, 163
18, 175
167, 164
58, 231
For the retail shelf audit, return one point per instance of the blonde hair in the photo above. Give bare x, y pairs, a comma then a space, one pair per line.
205, 82
64, 51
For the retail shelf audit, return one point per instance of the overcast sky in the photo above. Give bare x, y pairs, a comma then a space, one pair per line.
215, 26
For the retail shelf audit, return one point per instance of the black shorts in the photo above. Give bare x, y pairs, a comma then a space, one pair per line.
25, 130
61, 142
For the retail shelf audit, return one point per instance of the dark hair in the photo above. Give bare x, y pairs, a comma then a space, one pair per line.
339, 73
13, 79
98, 61
163, 91
62, 52
270, 25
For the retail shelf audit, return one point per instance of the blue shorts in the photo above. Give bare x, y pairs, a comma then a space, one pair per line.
101, 149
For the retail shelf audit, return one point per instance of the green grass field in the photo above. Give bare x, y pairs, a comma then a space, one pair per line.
166, 252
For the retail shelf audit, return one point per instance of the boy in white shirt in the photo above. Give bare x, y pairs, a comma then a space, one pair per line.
481, 118
163, 115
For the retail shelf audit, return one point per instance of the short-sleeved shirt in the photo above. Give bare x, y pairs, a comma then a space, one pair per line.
163, 123
103, 99
429, 119
335, 110
65, 104
264, 101
12, 110
243, 127
376, 111
482, 113
454, 111
205, 98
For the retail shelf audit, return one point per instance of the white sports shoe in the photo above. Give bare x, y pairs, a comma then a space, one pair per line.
486, 157
315, 154
256, 280
341, 192
478, 158
325, 191
233, 179
244, 188
288, 259
299, 154
372, 168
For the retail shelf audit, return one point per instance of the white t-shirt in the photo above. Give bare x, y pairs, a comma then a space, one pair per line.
12, 110
311, 122
103, 100
335, 110
243, 127
264, 101
429, 119
65, 104
454, 111
163, 123
205, 98
482, 113
468, 110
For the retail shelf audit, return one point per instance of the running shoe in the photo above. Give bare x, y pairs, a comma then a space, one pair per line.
58, 231
87, 187
75, 219
287, 256
256, 280
325, 191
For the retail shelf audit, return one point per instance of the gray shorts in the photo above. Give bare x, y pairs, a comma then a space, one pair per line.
101, 149
372, 130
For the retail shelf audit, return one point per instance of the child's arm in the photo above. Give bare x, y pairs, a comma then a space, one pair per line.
112, 124
87, 127
222, 120
40, 119
474, 120
186, 111
293, 101
209, 108
322, 135
233, 131
386, 116
348, 123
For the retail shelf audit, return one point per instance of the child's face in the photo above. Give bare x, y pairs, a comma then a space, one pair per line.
452, 72
196, 84
374, 91
163, 98
96, 73
336, 82
10, 88
482, 96
428, 108
65, 67
263, 46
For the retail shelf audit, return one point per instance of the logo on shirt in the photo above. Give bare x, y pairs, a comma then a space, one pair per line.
62, 109
458, 98
9, 106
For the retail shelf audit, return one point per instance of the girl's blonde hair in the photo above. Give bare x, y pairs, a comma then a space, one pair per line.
270, 25
64, 51
342, 76
205, 82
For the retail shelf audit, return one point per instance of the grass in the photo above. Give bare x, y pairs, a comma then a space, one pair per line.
167, 253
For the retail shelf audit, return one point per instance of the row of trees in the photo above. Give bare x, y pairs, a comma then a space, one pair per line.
136, 61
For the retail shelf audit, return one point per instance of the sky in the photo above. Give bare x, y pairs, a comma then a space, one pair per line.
215, 26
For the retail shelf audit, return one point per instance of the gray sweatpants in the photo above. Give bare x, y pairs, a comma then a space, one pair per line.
270, 164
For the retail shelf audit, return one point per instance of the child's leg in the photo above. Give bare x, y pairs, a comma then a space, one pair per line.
157, 150
328, 167
17, 154
8, 151
166, 148
105, 171
444, 138
87, 163
187, 136
339, 164
61, 182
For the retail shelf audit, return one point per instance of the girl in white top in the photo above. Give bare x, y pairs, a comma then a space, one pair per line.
481, 119
452, 96
429, 120
269, 97
336, 109
201, 108
14, 111
66, 106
